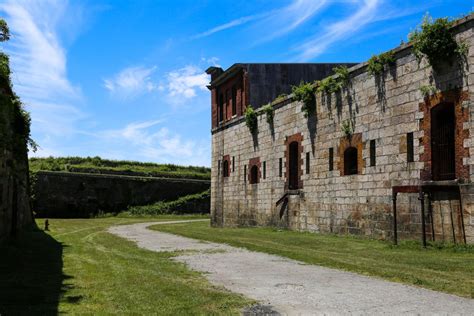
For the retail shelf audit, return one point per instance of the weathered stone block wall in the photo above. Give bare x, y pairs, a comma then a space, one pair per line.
383, 109
70, 195
15, 212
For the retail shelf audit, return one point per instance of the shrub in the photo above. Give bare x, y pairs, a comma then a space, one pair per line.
434, 40
270, 113
347, 127
305, 93
427, 90
251, 119
376, 64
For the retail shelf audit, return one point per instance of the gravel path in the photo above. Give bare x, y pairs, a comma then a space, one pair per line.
292, 287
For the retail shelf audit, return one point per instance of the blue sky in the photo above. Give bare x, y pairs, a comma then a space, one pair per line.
125, 79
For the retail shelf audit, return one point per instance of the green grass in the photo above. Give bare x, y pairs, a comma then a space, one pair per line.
79, 268
124, 167
448, 269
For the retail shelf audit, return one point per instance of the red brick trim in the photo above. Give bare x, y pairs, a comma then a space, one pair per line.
456, 97
290, 139
351, 141
229, 166
254, 162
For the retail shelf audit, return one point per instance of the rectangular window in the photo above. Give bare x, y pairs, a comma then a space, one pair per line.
233, 163
372, 152
218, 167
307, 163
245, 173
410, 156
331, 159
264, 169
280, 172
221, 107
234, 101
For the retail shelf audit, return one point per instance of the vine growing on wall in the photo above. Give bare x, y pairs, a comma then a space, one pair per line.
333, 84
251, 119
305, 93
347, 127
21, 118
426, 91
269, 112
377, 63
434, 39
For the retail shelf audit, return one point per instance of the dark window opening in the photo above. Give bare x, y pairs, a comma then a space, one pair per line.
443, 155
225, 168
233, 163
372, 153
280, 166
331, 159
264, 169
307, 163
410, 156
254, 174
350, 161
221, 107
218, 167
234, 101
245, 173
294, 164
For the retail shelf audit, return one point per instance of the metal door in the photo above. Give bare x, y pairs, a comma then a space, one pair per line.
442, 142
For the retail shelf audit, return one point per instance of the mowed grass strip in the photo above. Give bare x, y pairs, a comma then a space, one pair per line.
446, 269
79, 268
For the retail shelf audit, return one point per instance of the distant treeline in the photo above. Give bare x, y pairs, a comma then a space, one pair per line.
121, 167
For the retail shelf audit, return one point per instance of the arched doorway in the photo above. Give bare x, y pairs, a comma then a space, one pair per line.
254, 174
350, 161
442, 142
294, 164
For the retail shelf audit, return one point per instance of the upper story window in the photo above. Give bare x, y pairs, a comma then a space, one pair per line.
221, 107
234, 100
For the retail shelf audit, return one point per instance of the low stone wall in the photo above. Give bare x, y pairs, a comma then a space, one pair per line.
70, 195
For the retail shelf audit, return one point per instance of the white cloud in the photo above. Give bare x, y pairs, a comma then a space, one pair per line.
227, 25
38, 63
131, 81
150, 140
186, 81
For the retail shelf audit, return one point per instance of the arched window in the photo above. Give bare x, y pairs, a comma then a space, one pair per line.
350, 161
254, 174
225, 169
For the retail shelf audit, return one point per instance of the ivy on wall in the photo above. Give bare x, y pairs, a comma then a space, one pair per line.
21, 120
269, 112
377, 63
434, 39
251, 119
305, 93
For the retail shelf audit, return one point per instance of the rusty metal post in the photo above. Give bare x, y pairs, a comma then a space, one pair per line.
394, 199
423, 228
430, 210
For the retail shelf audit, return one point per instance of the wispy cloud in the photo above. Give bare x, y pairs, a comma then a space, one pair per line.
364, 14
186, 81
38, 63
274, 23
228, 25
131, 82
150, 140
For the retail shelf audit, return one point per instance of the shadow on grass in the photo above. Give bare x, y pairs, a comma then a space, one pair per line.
31, 278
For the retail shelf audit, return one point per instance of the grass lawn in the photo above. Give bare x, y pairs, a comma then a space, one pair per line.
79, 268
449, 269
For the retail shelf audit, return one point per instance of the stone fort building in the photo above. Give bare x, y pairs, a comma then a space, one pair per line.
372, 159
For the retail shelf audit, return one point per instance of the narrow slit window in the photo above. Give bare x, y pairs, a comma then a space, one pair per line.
234, 100
245, 173
410, 156
218, 167
264, 169
233, 163
372, 153
280, 166
307, 163
331, 159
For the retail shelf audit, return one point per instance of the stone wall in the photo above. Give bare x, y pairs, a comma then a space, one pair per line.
15, 212
70, 195
384, 109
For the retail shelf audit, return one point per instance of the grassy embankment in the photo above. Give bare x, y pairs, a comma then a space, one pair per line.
123, 167
447, 269
79, 268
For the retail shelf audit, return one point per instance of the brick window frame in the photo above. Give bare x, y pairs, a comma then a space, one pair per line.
226, 159
290, 139
254, 162
345, 142
455, 97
